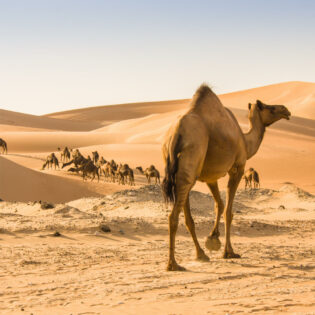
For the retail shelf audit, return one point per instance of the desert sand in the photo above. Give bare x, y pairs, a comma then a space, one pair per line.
85, 270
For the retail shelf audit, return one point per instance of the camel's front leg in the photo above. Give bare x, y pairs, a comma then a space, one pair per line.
235, 178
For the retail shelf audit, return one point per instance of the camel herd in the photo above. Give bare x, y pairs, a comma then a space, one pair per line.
97, 166
120, 173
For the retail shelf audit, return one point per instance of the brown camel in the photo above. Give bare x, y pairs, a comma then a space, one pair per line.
89, 169
95, 156
75, 153
51, 161
125, 175
110, 170
251, 178
102, 161
64, 154
205, 144
150, 172
4, 146
78, 160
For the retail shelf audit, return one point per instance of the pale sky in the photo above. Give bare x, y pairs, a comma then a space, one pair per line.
65, 54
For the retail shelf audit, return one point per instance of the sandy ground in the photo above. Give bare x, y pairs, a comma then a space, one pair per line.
88, 271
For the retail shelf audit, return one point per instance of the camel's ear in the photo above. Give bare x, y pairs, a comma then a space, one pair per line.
249, 106
259, 104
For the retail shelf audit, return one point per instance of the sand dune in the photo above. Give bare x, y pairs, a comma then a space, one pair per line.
299, 97
9, 120
113, 113
19, 183
138, 141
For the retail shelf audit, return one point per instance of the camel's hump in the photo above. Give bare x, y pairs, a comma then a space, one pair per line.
202, 92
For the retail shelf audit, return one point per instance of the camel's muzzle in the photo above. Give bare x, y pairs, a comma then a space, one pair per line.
286, 115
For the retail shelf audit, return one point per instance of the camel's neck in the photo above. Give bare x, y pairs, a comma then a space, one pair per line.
254, 136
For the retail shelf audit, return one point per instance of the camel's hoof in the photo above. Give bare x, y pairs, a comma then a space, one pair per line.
202, 257
231, 255
174, 267
213, 243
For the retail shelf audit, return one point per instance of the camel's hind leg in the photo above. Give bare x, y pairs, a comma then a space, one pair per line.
180, 199
212, 241
188, 170
235, 177
200, 254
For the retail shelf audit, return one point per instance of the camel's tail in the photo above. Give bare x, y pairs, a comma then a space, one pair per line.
168, 184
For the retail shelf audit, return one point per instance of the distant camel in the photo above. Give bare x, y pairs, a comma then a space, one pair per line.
78, 160
205, 144
251, 177
75, 153
125, 172
109, 170
95, 157
101, 161
4, 146
150, 172
50, 161
64, 154
91, 169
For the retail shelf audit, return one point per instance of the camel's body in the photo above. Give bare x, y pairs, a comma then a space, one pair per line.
251, 179
109, 170
78, 160
82, 164
65, 155
150, 172
206, 144
4, 146
101, 161
89, 169
125, 175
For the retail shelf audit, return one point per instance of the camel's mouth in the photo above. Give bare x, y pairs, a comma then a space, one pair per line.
286, 115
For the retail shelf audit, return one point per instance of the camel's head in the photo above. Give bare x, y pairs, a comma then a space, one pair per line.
269, 113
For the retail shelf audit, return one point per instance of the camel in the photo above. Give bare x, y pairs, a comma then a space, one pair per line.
205, 144
75, 153
101, 161
111, 169
95, 157
251, 177
64, 154
125, 172
4, 146
91, 169
150, 172
78, 160
50, 161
